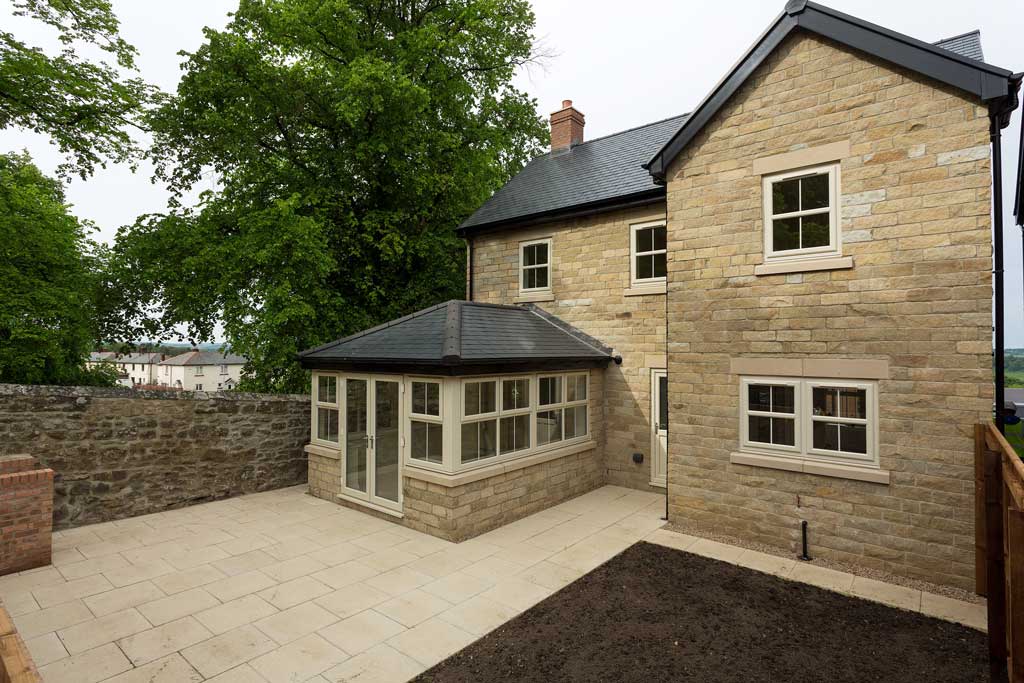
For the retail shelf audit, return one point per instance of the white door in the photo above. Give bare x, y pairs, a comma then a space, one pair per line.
659, 427
372, 440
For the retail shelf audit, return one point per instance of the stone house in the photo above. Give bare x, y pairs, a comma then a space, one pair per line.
774, 309
200, 371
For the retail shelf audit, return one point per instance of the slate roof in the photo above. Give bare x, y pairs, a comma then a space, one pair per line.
205, 358
97, 356
592, 172
463, 337
607, 172
966, 44
144, 358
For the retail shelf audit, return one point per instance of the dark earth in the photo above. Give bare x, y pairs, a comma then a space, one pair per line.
656, 614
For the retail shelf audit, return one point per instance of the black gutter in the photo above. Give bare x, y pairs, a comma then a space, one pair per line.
575, 211
463, 368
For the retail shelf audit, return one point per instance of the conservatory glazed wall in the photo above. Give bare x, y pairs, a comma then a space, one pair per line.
454, 456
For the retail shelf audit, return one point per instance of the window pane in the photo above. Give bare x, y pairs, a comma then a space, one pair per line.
785, 196
853, 403
425, 441
472, 390
419, 398
530, 255
853, 438
549, 427
327, 389
826, 436
542, 277
488, 438
644, 267
786, 233
470, 442
433, 399
660, 264
575, 422
515, 433
783, 431
815, 231
759, 428
327, 424
540, 253
660, 237
759, 397
814, 192
824, 401
645, 240
663, 402
576, 388
515, 393
549, 390
480, 397
530, 278
782, 399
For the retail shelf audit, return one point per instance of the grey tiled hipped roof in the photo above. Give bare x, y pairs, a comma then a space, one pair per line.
205, 358
966, 44
460, 337
592, 172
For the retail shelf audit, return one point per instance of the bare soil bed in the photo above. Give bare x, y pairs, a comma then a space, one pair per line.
656, 614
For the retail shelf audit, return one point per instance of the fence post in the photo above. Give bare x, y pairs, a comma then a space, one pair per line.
1015, 592
995, 566
980, 515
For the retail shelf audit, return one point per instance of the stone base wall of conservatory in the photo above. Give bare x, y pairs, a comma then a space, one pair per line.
457, 513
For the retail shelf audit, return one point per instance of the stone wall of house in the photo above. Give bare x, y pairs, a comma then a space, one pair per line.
590, 277
915, 219
117, 453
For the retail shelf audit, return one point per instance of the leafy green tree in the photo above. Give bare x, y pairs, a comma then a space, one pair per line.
84, 107
345, 140
49, 282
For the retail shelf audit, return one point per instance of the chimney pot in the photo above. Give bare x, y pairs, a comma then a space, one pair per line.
566, 128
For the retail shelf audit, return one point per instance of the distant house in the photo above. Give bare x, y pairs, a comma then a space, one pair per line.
98, 357
200, 371
138, 369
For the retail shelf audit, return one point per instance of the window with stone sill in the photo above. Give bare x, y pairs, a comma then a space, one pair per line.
326, 418
648, 246
801, 215
813, 419
535, 266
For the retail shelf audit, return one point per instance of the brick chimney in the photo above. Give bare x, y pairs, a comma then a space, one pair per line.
566, 127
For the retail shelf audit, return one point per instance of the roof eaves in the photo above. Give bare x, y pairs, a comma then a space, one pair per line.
357, 335
984, 80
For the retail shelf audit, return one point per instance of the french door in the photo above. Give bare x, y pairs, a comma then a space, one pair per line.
373, 440
659, 427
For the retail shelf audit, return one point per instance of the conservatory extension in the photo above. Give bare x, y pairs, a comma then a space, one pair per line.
458, 418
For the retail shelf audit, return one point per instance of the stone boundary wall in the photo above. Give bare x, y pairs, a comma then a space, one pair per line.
118, 453
26, 514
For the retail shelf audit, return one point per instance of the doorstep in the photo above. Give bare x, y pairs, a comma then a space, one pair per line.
969, 614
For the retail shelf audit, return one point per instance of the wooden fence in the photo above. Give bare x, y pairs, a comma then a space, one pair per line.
999, 546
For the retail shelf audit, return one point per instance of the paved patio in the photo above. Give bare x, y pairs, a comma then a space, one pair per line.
281, 586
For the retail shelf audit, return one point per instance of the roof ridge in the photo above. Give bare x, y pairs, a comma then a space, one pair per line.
451, 347
630, 130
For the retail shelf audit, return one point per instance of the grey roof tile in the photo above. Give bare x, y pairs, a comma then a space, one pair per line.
462, 333
593, 171
966, 45
205, 358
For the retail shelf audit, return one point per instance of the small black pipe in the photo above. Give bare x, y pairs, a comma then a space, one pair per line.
803, 531
995, 133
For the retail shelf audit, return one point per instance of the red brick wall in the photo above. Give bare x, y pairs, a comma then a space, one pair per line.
26, 514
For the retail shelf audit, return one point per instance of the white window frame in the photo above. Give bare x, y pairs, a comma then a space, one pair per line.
634, 253
803, 448
425, 417
523, 267
834, 248
223, 368
504, 412
493, 416
199, 371
317, 404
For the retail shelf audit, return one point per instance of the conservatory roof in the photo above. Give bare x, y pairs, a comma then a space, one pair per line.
461, 338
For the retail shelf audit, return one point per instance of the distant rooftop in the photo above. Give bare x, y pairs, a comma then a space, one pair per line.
205, 358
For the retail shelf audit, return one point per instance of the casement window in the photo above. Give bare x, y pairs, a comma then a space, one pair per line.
801, 214
426, 427
561, 408
648, 253
199, 370
199, 387
814, 419
325, 428
223, 369
479, 420
535, 266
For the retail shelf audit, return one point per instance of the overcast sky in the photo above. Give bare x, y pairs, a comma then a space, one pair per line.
622, 63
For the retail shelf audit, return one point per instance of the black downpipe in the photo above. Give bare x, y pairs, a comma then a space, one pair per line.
995, 133
803, 535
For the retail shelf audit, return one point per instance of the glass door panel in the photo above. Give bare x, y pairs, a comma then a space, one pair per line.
357, 434
659, 427
386, 445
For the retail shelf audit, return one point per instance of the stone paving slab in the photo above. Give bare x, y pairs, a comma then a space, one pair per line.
282, 586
